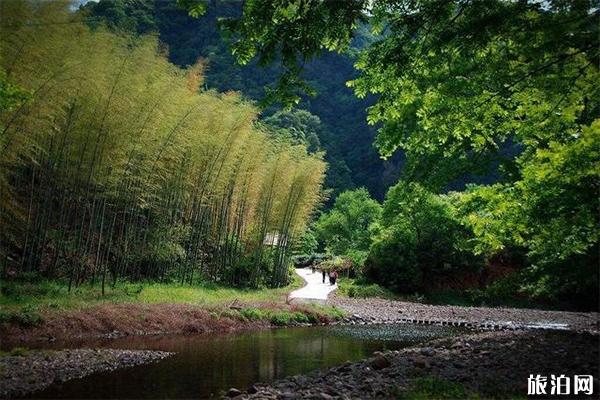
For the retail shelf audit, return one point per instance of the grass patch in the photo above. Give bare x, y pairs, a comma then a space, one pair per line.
294, 315
284, 318
431, 388
25, 317
253, 314
21, 301
332, 313
16, 352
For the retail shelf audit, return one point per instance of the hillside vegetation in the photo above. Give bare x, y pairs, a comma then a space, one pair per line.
116, 166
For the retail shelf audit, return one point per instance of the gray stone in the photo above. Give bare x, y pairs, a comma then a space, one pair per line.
380, 362
233, 392
427, 351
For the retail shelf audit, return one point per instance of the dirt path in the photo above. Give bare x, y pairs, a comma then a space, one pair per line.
315, 289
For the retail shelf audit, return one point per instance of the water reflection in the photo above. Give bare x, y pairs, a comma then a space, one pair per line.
203, 366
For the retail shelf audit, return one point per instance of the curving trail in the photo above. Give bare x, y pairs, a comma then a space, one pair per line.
314, 289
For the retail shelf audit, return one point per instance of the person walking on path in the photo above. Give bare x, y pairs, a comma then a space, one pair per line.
333, 275
324, 273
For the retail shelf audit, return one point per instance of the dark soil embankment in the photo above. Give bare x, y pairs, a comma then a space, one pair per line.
116, 320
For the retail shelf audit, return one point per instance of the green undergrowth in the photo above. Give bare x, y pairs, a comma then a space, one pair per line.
16, 352
25, 317
24, 304
432, 388
491, 296
359, 289
21, 302
502, 293
309, 314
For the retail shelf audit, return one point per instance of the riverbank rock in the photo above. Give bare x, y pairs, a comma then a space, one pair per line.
382, 311
233, 392
380, 362
36, 370
427, 351
490, 364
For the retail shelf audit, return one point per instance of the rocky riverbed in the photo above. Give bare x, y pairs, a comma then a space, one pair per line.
377, 310
489, 364
35, 370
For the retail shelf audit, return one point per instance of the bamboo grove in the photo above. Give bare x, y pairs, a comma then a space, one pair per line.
116, 166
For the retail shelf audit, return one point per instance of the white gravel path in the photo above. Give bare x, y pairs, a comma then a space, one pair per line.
315, 289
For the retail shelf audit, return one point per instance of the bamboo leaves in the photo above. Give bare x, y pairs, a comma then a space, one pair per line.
121, 169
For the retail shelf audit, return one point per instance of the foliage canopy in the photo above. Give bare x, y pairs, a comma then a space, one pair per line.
115, 164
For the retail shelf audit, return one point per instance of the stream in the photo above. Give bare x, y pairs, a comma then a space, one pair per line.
204, 366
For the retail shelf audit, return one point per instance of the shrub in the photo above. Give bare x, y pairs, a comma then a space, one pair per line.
253, 314
373, 290
282, 318
312, 317
306, 260
25, 318
133, 289
359, 288
336, 263
358, 259
301, 318
393, 261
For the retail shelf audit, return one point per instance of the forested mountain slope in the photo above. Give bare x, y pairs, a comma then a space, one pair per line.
345, 135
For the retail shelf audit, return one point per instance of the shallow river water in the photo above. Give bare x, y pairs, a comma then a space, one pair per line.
203, 366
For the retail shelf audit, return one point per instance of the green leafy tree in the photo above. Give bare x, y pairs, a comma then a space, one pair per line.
494, 215
479, 77
126, 16
307, 243
551, 213
419, 241
300, 126
460, 85
561, 186
507, 88
345, 228
291, 31
454, 75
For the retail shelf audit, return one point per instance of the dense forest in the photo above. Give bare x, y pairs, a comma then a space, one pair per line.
508, 89
192, 140
115, 165
339, 118
408, 190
